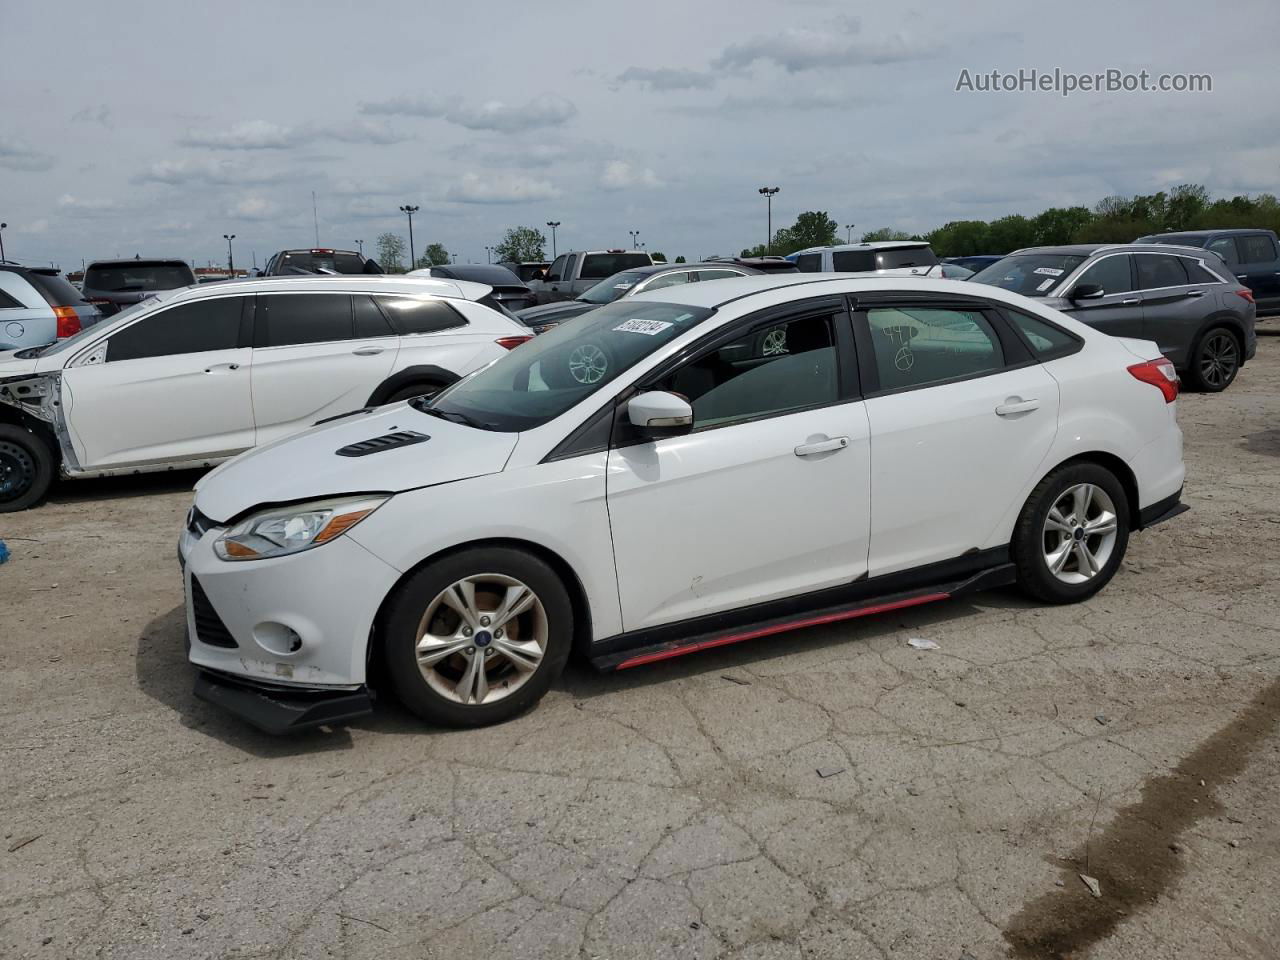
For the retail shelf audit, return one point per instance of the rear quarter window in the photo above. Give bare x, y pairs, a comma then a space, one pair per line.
910, 257
1046, 340
411, 316
851, 261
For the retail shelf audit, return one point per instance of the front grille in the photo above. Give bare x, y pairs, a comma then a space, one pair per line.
390, 441
209, 626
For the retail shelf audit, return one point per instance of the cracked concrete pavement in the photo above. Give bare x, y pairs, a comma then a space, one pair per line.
675, 811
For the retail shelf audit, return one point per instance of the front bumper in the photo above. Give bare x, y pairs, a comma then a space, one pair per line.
279, 710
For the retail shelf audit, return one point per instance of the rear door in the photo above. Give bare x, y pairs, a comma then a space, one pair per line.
311, 360
1260, 265
961, 419
1119, 310
172, 386
1173, 308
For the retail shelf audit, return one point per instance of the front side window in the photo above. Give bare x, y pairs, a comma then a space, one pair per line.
198, 327
917, 346
1157, 271
556, 272
299, 318
1256, 248
809, 263
1225, 247
1030, 274
613, 288
767, 372
557, 370
1112, 274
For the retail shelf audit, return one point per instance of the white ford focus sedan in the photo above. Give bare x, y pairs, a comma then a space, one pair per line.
741, 458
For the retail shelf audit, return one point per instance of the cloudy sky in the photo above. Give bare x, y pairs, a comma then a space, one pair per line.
145, 127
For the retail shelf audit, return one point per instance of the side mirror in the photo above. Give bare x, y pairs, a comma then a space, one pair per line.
1085, 291
660, 414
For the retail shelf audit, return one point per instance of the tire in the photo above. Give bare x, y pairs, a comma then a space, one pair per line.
445, 689
27, 468
1215, 361
414, 390
1040, 539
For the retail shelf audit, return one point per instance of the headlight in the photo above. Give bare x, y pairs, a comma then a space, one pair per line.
285, 530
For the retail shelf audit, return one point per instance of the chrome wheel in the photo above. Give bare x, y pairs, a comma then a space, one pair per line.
1219, 360
774, 343
1080, 533
481, 639
588, 363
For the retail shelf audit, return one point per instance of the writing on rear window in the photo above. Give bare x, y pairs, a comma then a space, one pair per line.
647, 327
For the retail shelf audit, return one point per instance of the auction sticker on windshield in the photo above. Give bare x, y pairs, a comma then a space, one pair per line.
1048, 271
648, 327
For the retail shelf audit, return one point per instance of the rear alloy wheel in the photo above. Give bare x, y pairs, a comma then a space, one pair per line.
476, 638
1216, 361
1072, 534
27, 467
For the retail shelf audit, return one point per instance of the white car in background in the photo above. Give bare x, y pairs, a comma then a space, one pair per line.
902, 258
901, 442
194, 376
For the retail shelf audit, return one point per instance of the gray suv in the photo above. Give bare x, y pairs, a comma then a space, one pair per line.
1183, 298
1252, 255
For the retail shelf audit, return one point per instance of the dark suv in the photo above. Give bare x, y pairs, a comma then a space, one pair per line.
113, 285
1183, 298
1252, 255
318, 260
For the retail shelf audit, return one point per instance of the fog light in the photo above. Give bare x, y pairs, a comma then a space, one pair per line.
277, 638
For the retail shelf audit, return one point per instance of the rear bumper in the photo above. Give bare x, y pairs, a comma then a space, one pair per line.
1162, 510
277, 710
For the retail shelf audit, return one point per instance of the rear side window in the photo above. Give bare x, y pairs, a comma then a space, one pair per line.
1047, 341
851, 261
298, 318
718, 274
597, 266
1256, 248
55, 288
410, 316
908, 257
918, 346
809, 263
187, 328
1156, 271
132, 277
369, 319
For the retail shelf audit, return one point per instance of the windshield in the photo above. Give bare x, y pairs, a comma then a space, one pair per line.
613, 288
1031, 274
122, 278
537, 382
90, 333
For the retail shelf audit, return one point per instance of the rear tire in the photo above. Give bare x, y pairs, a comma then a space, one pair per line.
477, 637
1215, 361
27, 468
1072, 534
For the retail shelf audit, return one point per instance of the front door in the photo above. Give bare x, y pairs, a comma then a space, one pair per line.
1118, 311
171, 387
766, 498
958, 429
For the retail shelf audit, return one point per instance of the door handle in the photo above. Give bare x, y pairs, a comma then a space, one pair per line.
222, 368
1131, 302
1016, 405
1241, 276
1195, 293
368, 351
821, 446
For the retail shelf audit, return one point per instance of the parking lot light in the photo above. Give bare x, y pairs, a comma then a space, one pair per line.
553, 224
231, 263
767, 193
410, 210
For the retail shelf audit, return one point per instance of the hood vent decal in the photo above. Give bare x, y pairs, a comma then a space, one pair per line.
402, 438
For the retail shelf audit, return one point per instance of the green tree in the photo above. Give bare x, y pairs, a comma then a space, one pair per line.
813, 228
1010, 233
1187, 202
680, 260
885, 233
391, 252
1059, 225
521, 244
434, 256
959, 238
658, 257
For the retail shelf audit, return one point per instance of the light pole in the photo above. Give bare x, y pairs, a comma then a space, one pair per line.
231, 263
410, 211
360, 247
848, 232
634, 235
553, 224
767, 193
488, 254
2, 226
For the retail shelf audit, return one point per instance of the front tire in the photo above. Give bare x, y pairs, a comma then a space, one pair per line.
1216, 361
478, 637
1072, 534
27, 468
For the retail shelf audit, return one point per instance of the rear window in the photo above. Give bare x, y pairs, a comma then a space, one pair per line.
906, 257
1031, 274
852, 261
131, 277
55, 288
307, 261
597, 266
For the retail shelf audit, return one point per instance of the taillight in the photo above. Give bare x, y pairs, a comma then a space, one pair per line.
1245, 294
512, 342
68, 321
1160, 373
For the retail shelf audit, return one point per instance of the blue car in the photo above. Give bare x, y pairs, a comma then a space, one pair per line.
39, 305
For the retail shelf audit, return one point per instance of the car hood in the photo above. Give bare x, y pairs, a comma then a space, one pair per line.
553, 312
308, 466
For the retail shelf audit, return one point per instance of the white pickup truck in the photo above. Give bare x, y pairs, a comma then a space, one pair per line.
573, 273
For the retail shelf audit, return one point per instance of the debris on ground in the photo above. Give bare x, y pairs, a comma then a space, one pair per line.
738, 680
922, 644
825, 772
1102, 718
23, 841
1094, 887
4, 552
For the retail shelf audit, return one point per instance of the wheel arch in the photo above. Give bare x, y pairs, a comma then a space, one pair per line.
568, 576
421, 373
1109, 461
1222, 319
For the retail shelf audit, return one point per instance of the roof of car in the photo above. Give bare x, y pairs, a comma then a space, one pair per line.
352, 282
1089, 249
1208, 232
873, 245
136, 261
724, 291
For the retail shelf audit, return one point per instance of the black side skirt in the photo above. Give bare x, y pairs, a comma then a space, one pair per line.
1162, 510
278, 710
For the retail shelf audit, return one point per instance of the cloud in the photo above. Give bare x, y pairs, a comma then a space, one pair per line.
797, 49
546, 111
667, 78
76, 207
255, 208
404, 107
620, 175
500, 188
738, 104
249, 135
374, 132
207, 171
19, 155
100, 114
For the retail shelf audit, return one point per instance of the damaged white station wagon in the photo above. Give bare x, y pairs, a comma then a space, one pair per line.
195, 376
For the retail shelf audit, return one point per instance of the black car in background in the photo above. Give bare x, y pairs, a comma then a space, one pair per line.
507, 288
1253, 256
318, 260
112, 285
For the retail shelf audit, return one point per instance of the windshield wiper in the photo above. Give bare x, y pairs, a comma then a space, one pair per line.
421, 405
